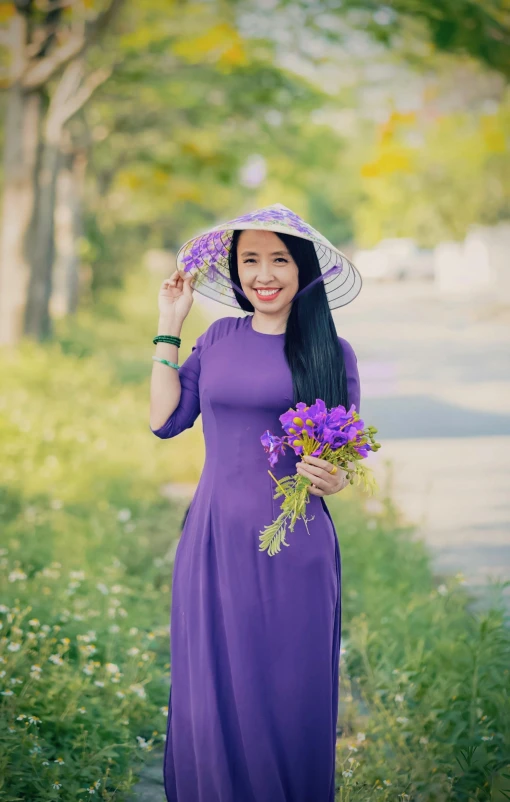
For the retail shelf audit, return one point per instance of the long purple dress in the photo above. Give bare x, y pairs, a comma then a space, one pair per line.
255, 640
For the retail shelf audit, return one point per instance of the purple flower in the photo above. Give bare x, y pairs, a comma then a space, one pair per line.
273, 445
336, 428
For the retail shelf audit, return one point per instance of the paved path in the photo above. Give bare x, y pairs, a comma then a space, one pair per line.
435, 377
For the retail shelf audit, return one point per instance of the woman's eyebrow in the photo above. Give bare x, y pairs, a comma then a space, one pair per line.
254, 253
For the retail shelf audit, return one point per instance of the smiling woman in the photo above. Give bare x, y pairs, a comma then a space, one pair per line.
269, 277
255, 645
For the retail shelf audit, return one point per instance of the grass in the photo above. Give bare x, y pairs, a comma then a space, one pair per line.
86, 563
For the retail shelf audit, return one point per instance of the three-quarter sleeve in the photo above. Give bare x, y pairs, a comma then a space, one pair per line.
188, 409
351, 371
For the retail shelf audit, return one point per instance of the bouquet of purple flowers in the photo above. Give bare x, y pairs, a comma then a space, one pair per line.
336, 435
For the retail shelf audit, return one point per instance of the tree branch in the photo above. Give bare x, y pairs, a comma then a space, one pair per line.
41, 70
87, 89
71, 95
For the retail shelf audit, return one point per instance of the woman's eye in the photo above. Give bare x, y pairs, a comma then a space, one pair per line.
278, 259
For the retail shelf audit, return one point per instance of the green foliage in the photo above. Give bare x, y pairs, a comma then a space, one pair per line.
435, 675
479, 28
88, 546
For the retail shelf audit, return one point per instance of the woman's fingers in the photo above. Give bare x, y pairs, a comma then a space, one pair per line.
324, 481
314, 476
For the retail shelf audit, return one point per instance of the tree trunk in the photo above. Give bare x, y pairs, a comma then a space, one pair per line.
68, 233
20, 160
37, 316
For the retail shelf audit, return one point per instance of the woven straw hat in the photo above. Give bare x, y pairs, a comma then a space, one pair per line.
206, 257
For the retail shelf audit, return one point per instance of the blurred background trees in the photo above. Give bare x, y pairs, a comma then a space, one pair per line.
128, 126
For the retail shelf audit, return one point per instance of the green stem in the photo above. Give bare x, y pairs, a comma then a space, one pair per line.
277, 482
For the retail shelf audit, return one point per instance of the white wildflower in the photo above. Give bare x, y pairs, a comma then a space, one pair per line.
50, 573
56, 659
17, 575
78, 575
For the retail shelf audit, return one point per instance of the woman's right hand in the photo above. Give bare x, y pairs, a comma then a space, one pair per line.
176, 297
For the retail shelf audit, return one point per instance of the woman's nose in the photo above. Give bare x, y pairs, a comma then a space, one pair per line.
266, 272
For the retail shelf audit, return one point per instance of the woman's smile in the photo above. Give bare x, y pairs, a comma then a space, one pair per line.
267, 294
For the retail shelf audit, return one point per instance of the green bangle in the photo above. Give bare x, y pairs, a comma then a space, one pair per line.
167, 338
166, 362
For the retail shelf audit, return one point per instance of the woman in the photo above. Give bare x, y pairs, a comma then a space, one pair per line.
255, 639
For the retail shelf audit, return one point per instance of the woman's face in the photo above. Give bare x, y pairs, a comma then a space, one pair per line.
268, 273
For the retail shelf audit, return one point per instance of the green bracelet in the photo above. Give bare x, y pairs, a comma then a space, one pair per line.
166, 362
167, 338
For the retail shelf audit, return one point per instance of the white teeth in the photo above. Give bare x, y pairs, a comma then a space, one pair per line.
267, 292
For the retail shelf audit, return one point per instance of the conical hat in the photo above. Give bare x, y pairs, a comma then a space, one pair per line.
205, 256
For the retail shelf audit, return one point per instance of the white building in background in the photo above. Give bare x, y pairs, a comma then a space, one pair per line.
464, 267
480, 265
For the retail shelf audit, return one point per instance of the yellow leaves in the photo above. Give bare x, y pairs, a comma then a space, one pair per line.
221, 44
7, 11
391, 156
143, 36
493, 134
403, 117
201, 143
392, 160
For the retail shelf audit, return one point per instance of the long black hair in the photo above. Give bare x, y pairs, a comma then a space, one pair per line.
312, 349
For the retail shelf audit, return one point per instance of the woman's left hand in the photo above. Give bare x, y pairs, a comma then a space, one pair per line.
319, 472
